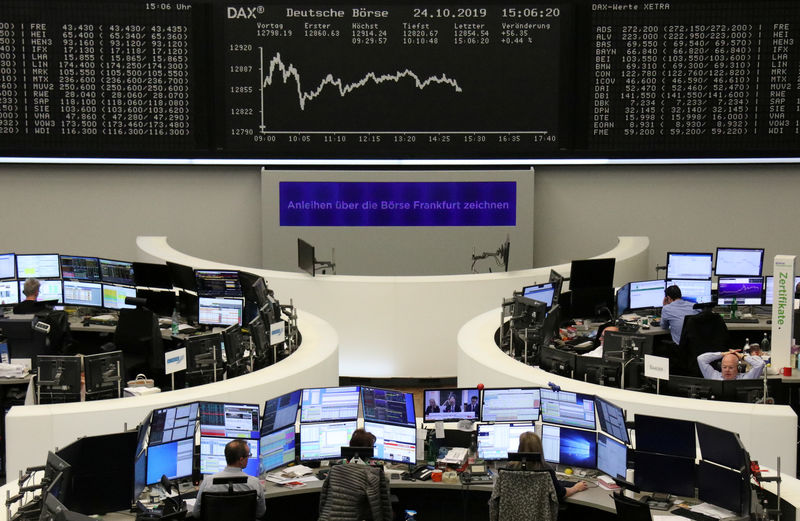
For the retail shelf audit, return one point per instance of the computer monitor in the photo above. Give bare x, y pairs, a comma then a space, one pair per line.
573, 447
768, 289
591, 273
139, 476
80, 268
724, 487
9, 293
84, 294
173, 459
204, 362
664, 473
117, 272
592, 302
229, 420
104, 373
8, 266
397, 443
59, 378
173, 423
147, 275
743, 391
568, 408
617, 344
721, 447
233, 341
557, 361
624, 299
218, 283
647, 294
114, 296
162, 303
739, 262
212, 455
612, 419
664, 436
329, 403
693, 387
541, 292
38, 266
188, 305
746, 290
496, 440
53, 509
324, 440
683, 265
260, 336
182, 276
598, 371
511, 404
280, 412
49, 290
449, 404
697, 291
276, 449
557, 280
387, 406
220, 311
612, 457
305, 256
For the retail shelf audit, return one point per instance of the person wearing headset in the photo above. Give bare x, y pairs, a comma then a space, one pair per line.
730, 365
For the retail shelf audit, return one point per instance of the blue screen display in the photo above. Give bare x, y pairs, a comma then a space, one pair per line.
567, 446
172, 459
398, 204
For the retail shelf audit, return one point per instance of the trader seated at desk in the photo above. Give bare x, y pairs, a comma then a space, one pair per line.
598, 351
30, 305
531, 442
237, 452
730, 365
674, 311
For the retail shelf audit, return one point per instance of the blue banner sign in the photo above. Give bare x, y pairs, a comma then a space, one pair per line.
398, 203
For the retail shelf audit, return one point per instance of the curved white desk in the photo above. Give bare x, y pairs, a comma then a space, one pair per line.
33, 430
402, 326
767, 431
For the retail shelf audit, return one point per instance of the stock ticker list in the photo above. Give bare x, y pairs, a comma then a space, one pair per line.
695, 76
90, 76
408, 81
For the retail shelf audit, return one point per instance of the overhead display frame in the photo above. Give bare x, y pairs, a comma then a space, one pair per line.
579, 82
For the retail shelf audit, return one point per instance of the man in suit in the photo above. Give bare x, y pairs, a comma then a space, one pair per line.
473, 406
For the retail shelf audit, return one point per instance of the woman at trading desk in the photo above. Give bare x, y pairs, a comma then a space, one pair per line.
531, 442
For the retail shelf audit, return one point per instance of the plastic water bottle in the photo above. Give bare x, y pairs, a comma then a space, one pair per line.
765, 344
734, 308
746, 347
175, 321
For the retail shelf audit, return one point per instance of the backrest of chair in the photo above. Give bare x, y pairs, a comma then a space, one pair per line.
630, 509
23, 340
701, 333
531, 492
230, 481
230, 506
138, 334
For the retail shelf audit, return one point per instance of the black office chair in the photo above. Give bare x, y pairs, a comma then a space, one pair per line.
630, 509
24, 341
230, 505
701, 333
139, 338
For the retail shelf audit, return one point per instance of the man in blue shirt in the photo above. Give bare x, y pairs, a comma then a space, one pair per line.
730, 365
237, 454
674, 311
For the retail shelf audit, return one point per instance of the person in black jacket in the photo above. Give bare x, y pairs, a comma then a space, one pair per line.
30, 305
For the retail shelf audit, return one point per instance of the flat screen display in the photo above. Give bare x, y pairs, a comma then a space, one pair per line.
329, 403
612, 457
688, 265
721, 446
173, 459
212, 455
496, 440
663, 473
220, 311
229, 420
569, 409
117, 272
452, 404
511, 405
566, 446
591, 274
81, 268
742, 262
173, 423
80, 293
48, 290
397, 443
218, 283
114, 296
647, 294
387, 406
697, 291
612, 419
541, 292
768, 289
8, 266
280, 412
324, 440
665, 435
276, 449
746, 290
9, 293
40, 266
722, 487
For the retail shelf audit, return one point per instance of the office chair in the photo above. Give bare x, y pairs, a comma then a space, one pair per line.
630, 509
23, 341
139, 338
231, 505
527, 492
701, 333
355, 491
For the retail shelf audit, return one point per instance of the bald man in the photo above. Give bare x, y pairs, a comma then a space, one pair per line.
598, 351
730, 365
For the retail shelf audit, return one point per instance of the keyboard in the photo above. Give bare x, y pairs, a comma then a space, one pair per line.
741, 320
696, 516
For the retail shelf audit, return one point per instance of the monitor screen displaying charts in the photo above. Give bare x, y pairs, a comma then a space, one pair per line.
689, 265
329, 403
